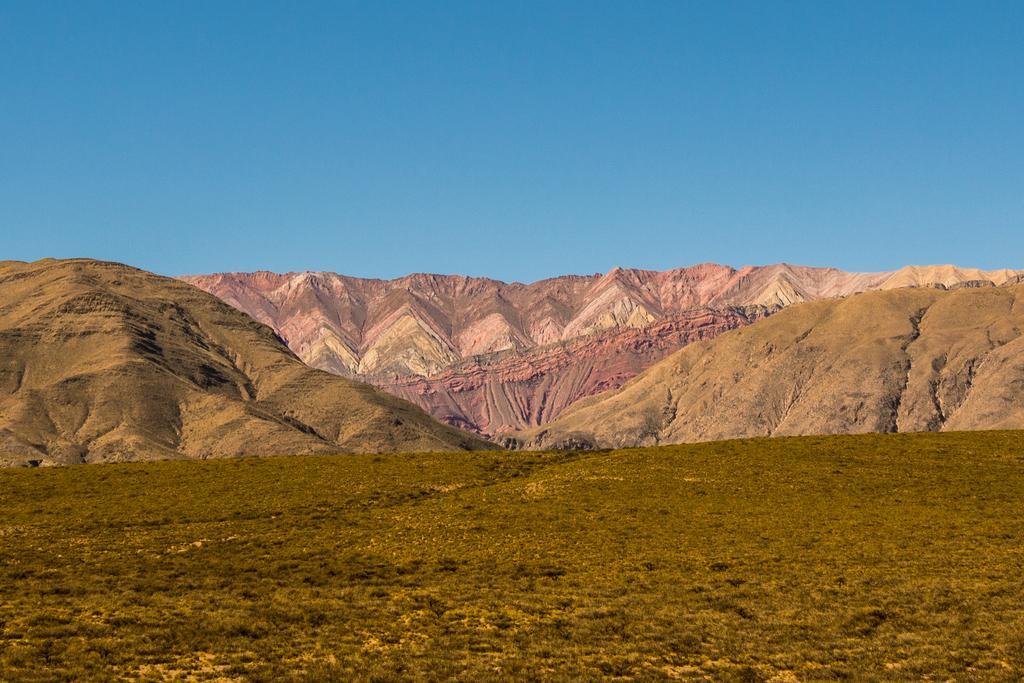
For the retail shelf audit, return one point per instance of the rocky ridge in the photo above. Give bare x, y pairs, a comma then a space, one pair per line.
492, 357
500, 393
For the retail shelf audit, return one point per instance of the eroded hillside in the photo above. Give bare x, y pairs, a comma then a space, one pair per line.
492, 357
909, 359
100, 362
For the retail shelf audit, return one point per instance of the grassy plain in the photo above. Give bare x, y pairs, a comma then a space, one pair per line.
878, 557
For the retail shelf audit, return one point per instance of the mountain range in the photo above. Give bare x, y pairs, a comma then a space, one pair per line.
103, 362
494, 357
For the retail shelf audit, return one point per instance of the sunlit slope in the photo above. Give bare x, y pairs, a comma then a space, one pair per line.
100, 361
909, 359
495, 357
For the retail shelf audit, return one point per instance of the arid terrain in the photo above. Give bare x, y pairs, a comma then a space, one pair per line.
101, 361
493, 357
908, 360
501, 342
877, 557
500, 392
104, 362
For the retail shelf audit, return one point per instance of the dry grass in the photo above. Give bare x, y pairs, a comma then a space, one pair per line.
879, 557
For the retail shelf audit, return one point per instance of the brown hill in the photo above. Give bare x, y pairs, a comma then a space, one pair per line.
917, 359
101, 362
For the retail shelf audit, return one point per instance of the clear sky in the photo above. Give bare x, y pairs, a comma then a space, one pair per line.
512, 139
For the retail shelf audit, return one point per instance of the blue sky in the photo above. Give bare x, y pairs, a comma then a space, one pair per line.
517, 140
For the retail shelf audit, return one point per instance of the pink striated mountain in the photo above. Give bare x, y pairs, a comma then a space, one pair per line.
494, 357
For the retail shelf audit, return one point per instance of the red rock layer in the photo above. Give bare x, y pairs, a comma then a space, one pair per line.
509, 392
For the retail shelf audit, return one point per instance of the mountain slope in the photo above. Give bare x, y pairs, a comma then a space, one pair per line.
101, 362
420, 324
909, 359
494, 357
501, 393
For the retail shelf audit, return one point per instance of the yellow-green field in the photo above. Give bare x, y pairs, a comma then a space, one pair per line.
879, 557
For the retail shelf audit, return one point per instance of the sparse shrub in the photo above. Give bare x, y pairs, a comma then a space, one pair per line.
626, 568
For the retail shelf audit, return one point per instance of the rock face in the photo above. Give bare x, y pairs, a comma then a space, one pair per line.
504, 392
909, 359
493, 357
103, 362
